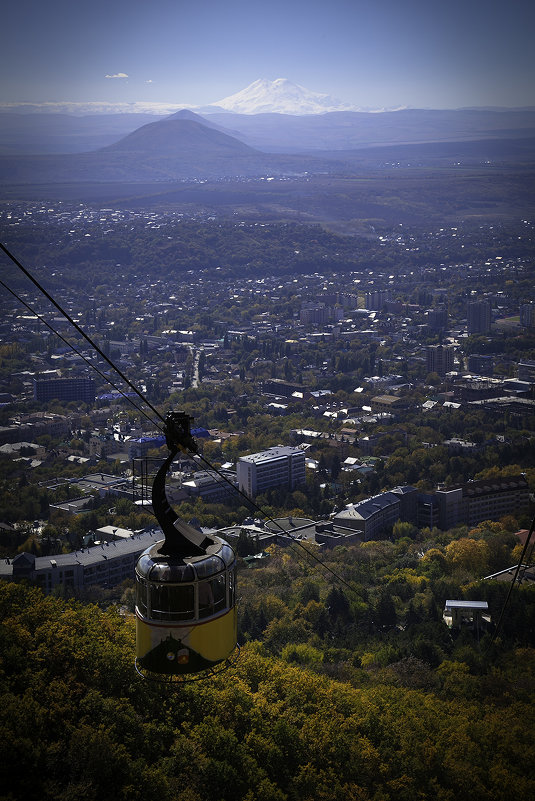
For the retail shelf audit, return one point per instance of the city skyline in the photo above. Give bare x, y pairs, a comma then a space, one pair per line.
381, 55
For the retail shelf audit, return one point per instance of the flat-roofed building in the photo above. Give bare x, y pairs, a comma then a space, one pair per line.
437, 319
376, 299
478, 317
281, 466
210, 487
526, 370
278, 386
105, 565
314, 313
481, 364
485, 499
466, 613
391, 404
64, 389
491, 499
527, 315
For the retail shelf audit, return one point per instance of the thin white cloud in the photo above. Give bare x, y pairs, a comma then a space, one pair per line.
117, 75
96, 107
149, 81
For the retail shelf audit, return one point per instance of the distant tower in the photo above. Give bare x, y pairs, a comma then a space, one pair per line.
478, 317
437, 319
439, 359
527, 315
377, 298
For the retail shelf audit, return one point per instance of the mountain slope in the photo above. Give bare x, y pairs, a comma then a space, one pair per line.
182, 137
171, 149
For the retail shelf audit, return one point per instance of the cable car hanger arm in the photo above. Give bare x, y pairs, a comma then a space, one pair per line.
181, 539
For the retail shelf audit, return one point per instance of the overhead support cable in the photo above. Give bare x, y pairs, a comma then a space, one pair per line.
513, 582
80, 330
78, 353
252, 504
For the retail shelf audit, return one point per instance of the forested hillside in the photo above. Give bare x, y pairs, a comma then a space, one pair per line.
77, 721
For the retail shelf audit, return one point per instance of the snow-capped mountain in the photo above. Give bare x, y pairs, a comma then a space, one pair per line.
280, 97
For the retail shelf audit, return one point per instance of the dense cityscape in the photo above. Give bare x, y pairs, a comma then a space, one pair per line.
406, 366
364, 415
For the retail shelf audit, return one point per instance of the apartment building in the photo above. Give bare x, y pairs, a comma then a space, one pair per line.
281, 466
485, 499
105, 565
64, 389
391, 404
527, 315
478, 317
439, 359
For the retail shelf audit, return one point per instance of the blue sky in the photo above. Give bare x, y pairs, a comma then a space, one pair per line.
372, 53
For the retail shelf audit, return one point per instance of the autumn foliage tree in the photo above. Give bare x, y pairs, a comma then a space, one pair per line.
77, 722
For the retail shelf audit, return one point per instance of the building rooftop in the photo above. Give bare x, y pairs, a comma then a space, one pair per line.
367, 508
86, 556
466, 604
268, 455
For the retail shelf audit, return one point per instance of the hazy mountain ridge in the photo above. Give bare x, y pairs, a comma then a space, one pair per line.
42, 133
187, 146
38, 134
347, 130
167, 150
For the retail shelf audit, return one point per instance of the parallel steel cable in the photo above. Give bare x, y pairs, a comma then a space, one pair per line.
264, 514
81, 355
259, 509
80, 330
513, 582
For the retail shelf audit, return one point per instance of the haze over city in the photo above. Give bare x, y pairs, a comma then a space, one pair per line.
381, 55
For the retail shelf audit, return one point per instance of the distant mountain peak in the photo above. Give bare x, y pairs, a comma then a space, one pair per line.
280, 96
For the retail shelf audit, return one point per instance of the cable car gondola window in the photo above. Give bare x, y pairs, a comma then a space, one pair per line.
144, 564
227, 555
219, 591
141, 595
172, 602
231, 586
212, 596
209, 566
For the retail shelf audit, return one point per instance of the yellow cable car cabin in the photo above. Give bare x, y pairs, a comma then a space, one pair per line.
186, 619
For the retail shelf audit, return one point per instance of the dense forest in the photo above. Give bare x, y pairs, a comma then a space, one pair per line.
342, 691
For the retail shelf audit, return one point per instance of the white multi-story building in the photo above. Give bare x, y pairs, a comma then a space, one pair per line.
281, 466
